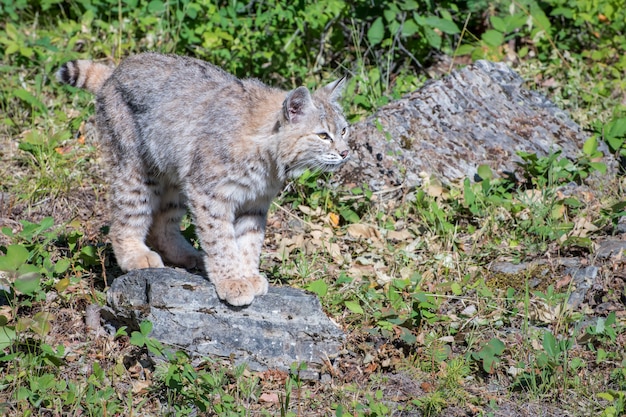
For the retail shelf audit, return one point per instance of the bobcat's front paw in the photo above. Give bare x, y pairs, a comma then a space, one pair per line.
236, 292
259, 283
140, 260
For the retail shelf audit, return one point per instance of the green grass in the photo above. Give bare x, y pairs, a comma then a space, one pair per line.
430, 326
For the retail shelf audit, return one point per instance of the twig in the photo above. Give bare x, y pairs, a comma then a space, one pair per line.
458, 44
292, 215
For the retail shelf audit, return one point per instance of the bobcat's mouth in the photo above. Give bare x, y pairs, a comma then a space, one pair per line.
316, 166
334, 165
333, 161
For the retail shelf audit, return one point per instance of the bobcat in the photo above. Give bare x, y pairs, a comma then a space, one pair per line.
179, 132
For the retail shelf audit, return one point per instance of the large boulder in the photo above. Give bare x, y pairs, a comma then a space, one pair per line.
481, 114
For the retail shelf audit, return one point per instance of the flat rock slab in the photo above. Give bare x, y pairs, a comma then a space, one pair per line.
286, 325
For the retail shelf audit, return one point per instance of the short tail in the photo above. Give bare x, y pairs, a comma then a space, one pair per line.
84, 74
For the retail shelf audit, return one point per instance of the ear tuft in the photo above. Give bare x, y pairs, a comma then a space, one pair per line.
335, 88
296, 104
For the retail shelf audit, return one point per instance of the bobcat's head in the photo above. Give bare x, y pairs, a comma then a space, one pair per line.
316, 130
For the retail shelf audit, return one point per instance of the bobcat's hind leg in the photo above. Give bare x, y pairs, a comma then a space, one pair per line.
133, 199
165, 235
134, 193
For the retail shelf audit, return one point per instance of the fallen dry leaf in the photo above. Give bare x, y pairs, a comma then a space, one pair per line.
287, 245
7, 312
331, 248
309, 211
427, 387
582, 227
563, 282
63, 150
399, 235
333, 219
363, 231
141, 387
269, 397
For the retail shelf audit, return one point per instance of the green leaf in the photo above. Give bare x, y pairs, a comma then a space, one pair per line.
489, 354
410, 28
354, 306
376, 32
156, 6
16, 256
616, 128
28, 283
46, 223
493, 37
444, 25
468, 193
465, 50
598, 166
497, 346
62, 284
145, 327
590, 146
88, 251
137, 339
318, 287
566, 12
41, 323
605, 396
407, 337
484, 172
498, 23
408, 5
610, 319
121, 332
30, 99
614, 143
550, 345
600, 325
7, 337
539, 18
61, 266
350, 216
433, 38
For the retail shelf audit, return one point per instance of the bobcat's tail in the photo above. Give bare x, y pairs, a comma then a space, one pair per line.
84, 74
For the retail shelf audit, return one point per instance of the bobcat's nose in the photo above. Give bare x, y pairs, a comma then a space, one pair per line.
344, 154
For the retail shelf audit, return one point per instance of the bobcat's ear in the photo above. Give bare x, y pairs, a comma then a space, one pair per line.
296, 104
334, 89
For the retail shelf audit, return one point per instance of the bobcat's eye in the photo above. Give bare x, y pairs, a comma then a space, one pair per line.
344, 131
324, 136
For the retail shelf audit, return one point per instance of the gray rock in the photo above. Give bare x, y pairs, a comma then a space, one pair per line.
285, 326
612, 248
582, 280
510, 268
621, 225
481, 114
